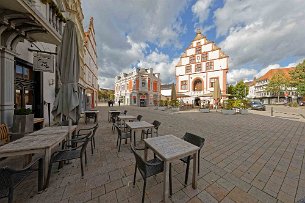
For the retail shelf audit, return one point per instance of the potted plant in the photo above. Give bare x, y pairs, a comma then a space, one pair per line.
175, 105
161, 105
23, 121
244, 107
228, 107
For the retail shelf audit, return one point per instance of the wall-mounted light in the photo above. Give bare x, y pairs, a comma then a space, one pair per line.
51, 82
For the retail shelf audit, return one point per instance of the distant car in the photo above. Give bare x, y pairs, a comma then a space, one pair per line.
257, 105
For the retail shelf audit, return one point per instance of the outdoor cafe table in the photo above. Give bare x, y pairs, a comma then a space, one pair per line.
136, 128
112, 111
90, 114
170, 148
39, 142
125, 118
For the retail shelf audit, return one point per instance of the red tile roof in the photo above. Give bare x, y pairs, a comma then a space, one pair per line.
272, 72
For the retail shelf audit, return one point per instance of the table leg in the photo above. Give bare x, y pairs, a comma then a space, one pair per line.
47, 157
194, 180
145, 153
165, 181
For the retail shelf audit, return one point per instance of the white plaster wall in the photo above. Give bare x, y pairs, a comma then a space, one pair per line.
166, 92
206, 47
190, 51
214, 74
185, 60
180, 70
213, 55
220, 64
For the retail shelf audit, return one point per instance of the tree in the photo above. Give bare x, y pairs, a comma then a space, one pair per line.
298, 78
277, 84
231, 90
240, 90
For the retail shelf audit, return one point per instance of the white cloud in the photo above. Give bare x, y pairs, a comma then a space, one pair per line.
237, 75
262, 32
125, 28
201, 9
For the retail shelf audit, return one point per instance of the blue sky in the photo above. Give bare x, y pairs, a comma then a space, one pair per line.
257, 35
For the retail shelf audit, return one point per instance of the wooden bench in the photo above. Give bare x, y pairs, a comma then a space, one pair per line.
4, 135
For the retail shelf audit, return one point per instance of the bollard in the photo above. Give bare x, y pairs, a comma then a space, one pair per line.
271, 111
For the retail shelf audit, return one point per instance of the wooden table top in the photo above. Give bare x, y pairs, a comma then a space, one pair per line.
54, 130
170, 147
38, 120
91, 111
114, 110
140, 124
127, 117
28, 143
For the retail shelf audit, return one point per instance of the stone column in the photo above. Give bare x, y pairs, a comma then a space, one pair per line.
7, 75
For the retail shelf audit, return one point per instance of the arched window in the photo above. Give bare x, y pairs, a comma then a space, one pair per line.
197, 85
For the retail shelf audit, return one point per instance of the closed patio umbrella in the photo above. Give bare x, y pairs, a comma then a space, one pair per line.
67, 100
173, 93
217, 92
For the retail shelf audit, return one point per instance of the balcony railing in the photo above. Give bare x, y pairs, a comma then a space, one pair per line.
50, 11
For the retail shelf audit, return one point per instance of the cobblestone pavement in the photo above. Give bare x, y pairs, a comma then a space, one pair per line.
246, 158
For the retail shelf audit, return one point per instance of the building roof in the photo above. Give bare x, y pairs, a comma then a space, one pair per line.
272, 72
198, 36
166, 87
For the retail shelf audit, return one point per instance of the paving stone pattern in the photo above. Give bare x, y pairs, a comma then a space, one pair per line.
246, 158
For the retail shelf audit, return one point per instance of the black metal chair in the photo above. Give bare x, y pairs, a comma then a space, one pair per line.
125, 112
139, 117
11, 178
114, 119
69, 153
82, 133
121, 136
195, 140
154, 130
148, 169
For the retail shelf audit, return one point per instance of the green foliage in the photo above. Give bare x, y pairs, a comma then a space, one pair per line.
106, 95
175, 103
240, 90
293, 104
166, 102
161, 102
277, 84
228, 104
22, 111
298, 78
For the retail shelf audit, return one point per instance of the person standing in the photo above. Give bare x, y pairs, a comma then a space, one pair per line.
119, 102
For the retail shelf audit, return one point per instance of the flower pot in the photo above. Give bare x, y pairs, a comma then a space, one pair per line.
204, 110
243, 111
228, 112
23, 123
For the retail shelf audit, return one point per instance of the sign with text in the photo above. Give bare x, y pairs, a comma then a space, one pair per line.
43, 62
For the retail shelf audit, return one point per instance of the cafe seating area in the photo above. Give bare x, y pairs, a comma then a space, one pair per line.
105, 153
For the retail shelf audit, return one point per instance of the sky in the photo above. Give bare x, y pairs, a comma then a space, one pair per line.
256, 35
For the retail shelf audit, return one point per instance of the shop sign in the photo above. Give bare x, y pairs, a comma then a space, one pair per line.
43, 62
143, 97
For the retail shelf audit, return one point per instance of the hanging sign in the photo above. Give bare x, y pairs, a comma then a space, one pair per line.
43, 62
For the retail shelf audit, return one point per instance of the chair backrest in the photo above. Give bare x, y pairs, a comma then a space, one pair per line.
139, 117
85, 143
119, 130
156, 124
141, 164
194, 139
4, 137
125, 112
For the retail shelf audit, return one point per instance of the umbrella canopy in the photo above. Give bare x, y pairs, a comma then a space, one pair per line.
173, 93
217, 92
67, 100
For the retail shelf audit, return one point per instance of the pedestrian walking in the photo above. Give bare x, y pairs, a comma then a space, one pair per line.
119, 102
